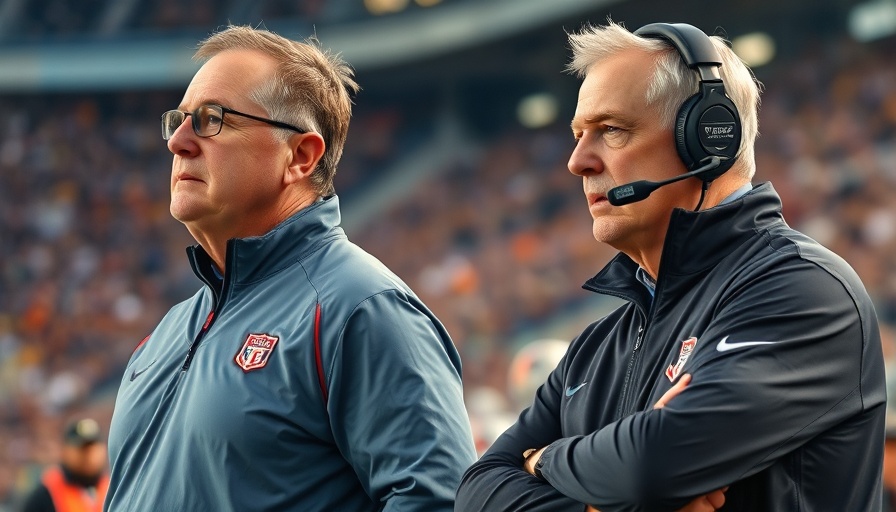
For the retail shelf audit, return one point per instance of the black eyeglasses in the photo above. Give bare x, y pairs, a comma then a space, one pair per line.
208, 120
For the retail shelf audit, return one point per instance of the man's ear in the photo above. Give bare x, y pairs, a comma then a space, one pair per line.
307, 150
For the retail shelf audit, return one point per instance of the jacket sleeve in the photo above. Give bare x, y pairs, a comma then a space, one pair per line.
396, 405
498, 482
745, 407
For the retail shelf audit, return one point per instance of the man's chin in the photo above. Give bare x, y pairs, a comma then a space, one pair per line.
605, 232
185, 209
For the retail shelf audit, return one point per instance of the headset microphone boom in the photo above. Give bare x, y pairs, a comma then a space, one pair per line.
639, 190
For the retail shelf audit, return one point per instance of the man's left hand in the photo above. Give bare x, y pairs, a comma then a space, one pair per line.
707, 503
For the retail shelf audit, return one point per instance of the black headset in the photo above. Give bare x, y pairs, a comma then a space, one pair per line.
707, 124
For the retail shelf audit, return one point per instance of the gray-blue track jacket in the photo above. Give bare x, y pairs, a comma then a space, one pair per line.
309, 379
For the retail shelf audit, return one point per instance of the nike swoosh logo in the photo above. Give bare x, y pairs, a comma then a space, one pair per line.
724, 346
573, 390
136, 374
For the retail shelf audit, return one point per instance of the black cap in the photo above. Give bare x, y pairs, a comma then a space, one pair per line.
83, 432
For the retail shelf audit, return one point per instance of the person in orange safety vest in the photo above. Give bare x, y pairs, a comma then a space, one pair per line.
79, 482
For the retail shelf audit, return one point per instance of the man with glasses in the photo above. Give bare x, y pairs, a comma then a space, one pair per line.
304, 375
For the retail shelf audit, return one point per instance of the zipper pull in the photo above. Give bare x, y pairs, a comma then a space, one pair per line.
193, 346
639, 338
211, 314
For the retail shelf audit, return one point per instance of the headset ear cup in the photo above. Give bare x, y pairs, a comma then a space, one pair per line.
681, 132
708, 125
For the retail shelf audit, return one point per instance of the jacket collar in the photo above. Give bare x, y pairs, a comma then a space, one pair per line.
695, 242
255, 258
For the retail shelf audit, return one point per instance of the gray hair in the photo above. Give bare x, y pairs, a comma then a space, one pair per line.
310, 89
673, 82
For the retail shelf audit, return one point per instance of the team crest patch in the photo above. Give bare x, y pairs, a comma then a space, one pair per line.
256, 351
687, 346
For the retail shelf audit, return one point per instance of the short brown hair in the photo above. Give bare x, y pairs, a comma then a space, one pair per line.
310, 89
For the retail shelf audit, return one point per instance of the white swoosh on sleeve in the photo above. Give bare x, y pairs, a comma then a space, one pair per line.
724, 346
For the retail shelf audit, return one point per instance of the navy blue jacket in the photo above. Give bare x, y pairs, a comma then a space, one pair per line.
309, 379
786, 404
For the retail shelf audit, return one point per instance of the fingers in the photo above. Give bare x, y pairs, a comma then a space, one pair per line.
717, 498
707, 503
673, 391
531, 459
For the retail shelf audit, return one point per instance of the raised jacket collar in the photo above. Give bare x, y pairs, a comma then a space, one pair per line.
695, 242
255, 258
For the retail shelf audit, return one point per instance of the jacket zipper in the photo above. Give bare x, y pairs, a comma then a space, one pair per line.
628, 372
195, 345
638, 340
216, 304
624, 405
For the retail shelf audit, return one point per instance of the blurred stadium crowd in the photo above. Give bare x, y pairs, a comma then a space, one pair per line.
39, 19
497, 243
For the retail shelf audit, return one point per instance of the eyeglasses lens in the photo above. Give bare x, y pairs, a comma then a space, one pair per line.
171, 120
206, 120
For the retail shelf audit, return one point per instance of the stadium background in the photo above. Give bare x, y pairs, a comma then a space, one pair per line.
454, 173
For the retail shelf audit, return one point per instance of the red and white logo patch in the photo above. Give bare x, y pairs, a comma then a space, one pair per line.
687, 346
256, 351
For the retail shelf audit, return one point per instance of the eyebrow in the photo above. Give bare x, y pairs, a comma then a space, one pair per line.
210, 101
600, 118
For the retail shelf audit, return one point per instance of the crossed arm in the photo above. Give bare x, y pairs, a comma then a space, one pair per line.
707, 503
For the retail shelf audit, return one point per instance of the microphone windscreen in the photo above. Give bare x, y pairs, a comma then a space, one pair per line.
630, 193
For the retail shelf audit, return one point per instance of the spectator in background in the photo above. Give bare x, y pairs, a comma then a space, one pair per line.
889, 471
304, 375
889, 466
777, 333
80, 481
